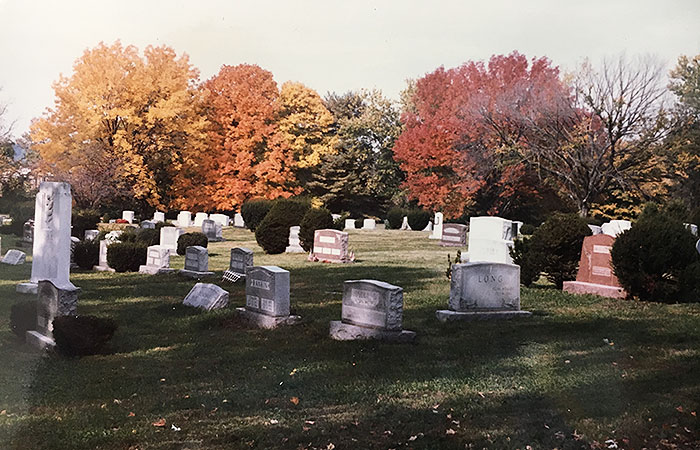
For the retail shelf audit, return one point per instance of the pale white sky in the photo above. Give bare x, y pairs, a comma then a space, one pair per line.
331, 45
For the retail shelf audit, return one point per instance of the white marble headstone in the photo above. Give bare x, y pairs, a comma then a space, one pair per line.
437, 226
14, 257
199, 218
128, 216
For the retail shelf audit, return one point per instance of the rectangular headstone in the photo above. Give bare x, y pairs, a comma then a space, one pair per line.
14, 257
267, 290
238, 221
437, 226
206, 296
91, 234
454, 235
221, 219
294, 244
196, 259
158, 216
241, 260
349, 224
369, 224
374, 304
148, 224
128, 216
199, 218
212, 230
157, 260
595, 273
28, 231
490, 239
184, 219
169, 237
51, 303
331, 246
102, 264
485, 286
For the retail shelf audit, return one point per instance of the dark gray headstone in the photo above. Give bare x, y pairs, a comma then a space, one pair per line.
267, 290
372, 303
241, 260
51, 303
196, 259
206, 296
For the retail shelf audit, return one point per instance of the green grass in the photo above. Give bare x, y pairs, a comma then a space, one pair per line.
582, 370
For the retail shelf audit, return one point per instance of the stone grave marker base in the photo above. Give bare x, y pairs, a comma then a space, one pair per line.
152, 270
265, 321
194, 274
28, 288
581, 287
103, 269
346, 332
447, 315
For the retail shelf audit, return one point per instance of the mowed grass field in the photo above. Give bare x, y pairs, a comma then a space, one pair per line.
581, 371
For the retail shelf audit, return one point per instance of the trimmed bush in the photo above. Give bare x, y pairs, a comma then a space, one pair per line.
86, 253
339, 223
82, 335
23, 317
160, 225
526, 259
126, 256
528, 229
418, 219
148, 236
254, 211
314, 219
272, 234
190, 239
359, 223
394, 218
654, 257
84, 219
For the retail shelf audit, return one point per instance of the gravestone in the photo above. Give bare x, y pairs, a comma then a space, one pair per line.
490, 239
91, 234
212, 230
199, 218
595, 274
169, 237
369, 224
157, 261
221, 219
206, 296
73, 242
196, 262
336, 216
595, 229
28, 231
102, 264
267, 297
483, 291
349, 224
437, 226
238, 221
158, 216
184, 219
241, 260
52, 302
616, 227
692, 228
128, 216
52, 228
14, 257
148, 224
331, 246
404, 225
371, 310
697, 246
454, 235
294, 245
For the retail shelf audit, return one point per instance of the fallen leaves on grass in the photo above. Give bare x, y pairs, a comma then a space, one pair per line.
294, 400
159, 423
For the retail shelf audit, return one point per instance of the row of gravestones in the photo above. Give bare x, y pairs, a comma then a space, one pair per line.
184, 219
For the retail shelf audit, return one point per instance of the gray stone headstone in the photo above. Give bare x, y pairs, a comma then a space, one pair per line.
148, 224
91, 234
294, 244
197, 259
157, 260
267, 290
102, 264
212, 230
206, 296
28, 231
241, 260
454, 235
52, 302
184, 219
14, 257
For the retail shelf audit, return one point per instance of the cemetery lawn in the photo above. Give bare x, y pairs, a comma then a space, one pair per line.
581, 371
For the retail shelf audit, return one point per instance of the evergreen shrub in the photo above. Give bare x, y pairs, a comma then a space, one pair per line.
86, 253
190, 239
126, 256
254, 211
82, 335
314, 219
418, 219
394, 218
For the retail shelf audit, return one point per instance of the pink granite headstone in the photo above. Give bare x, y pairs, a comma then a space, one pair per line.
595, 274
331, 246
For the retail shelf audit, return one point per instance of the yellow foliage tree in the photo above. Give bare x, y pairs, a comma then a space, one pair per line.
124, 124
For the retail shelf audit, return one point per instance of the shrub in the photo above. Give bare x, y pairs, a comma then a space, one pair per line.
556, 247
84, 219
148, 236
394, 218
359, 223
272, 234
524, 257
254, 211
20, 212
160, 225
86, 253
126, 256
190, 239
314, 219
23, 317
418, 219
527, 229
339, 223
82, 335
654, 257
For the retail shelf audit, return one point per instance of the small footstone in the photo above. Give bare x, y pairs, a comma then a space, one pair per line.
347, 332
446, 315
265, 321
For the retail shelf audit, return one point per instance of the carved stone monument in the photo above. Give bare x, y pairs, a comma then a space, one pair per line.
371, 310
221, 219
369, 224
199, 218
616, 227
169, 237
14, 257
404, 225
52, 302
267, 297
102, 264
595, 274
349, 224
128, 216
294, 244
184, 219
241, 260
490, 239
212, 230
158, 216
206, 296
437, 226
454, 235
157, 261
238, 221
331, 246
91, 234
196, 262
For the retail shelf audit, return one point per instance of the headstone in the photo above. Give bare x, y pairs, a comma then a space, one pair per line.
206, 296
184, 219
336, 216
196, 262
148, 224
404, 225
73, 241
437, 226
102, 264
697, 246
157, 260
169, 237
371, 310
483, 291
52, 302
158, 216
28, 231
517, 225
128, 216
52, 228
331, 246
369, 224
91, 234
238, 221
616, 227
349, 224
199, 218
241, 260
454, 235
221, 219
692, 228
595, 229
267, 297
14, 257
490, 239
294, 245
212, 230
595, 273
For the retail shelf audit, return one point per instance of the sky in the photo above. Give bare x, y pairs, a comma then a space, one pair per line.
331, 45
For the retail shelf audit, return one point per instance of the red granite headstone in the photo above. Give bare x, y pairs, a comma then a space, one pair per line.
331, 246
454, 235
595, 274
